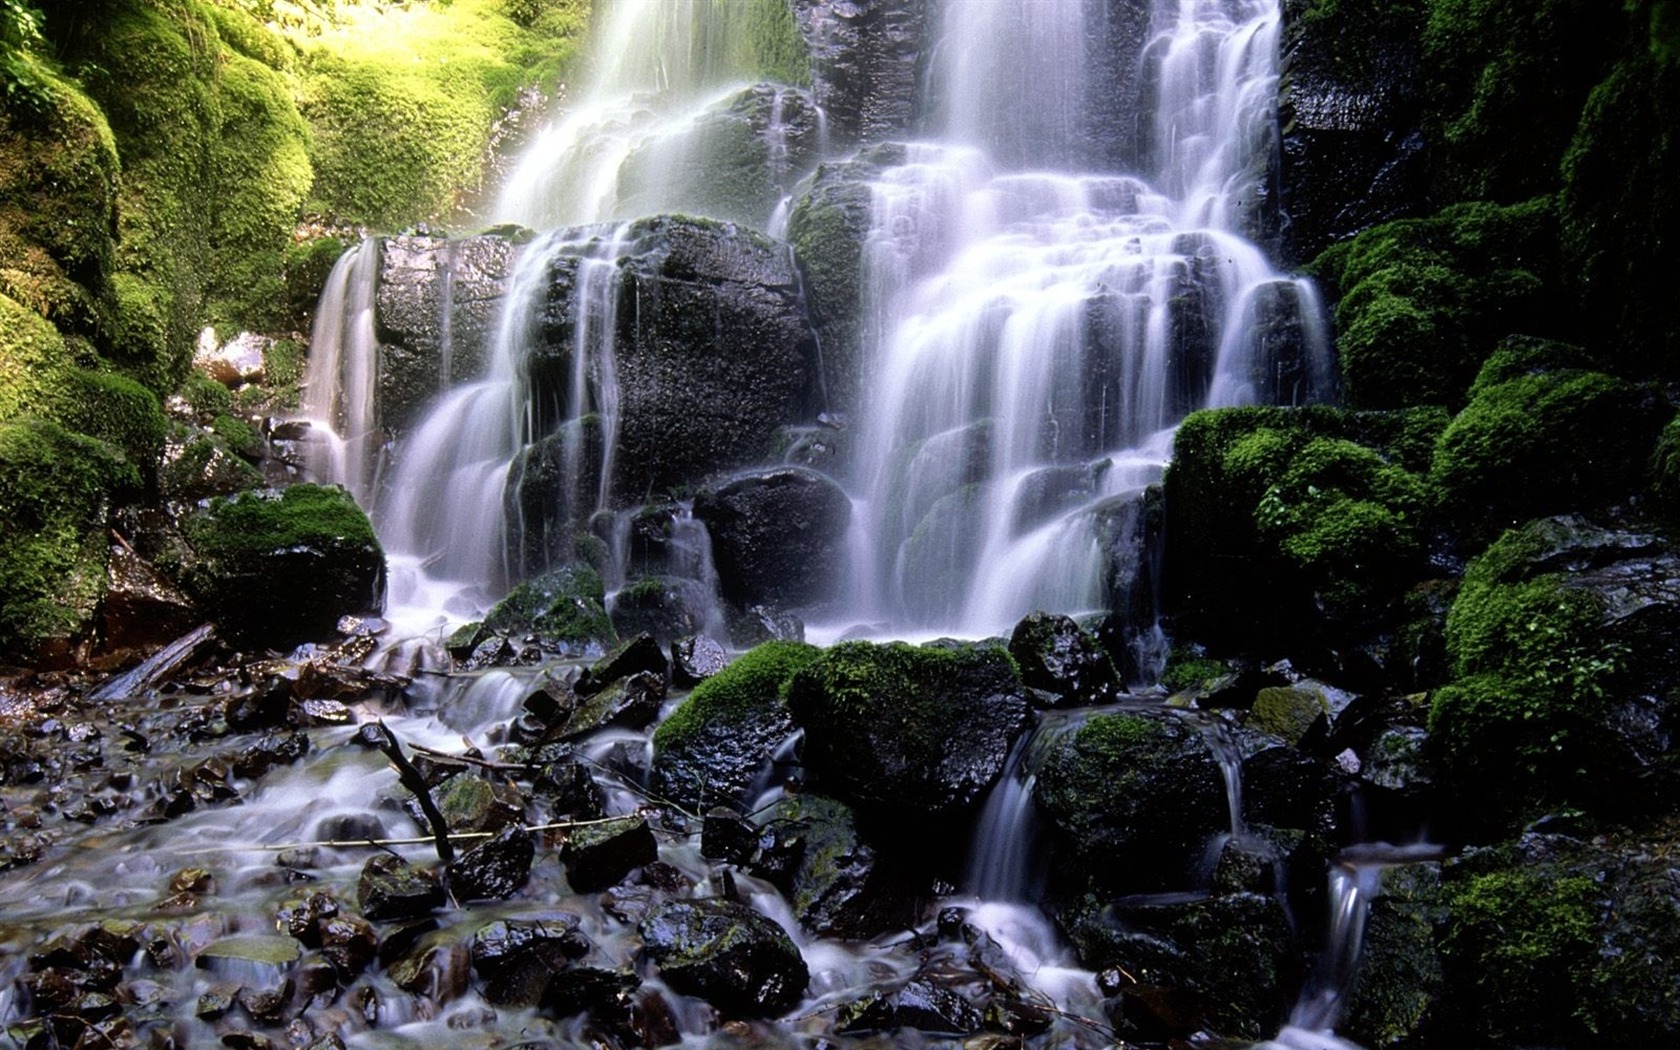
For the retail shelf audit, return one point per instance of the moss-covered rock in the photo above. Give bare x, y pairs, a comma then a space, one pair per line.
117, 410
908, 731
1544, 442
564, 610
711, 748
56, 491
1292, 526
278, 569
1133, 798
1420, 302
838, 884
726, 953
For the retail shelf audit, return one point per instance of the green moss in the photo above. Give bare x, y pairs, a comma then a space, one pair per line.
1543, 443
1422, 301
566, 608
1186, 671
253, 523
33, 360
205, 396
117, 410
1619, 217
55, 492
755, 680
399, 141
1665, 470
1526, 941
1518, 356
1502, 105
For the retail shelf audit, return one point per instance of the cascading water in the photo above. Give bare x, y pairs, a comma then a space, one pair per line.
1037, 335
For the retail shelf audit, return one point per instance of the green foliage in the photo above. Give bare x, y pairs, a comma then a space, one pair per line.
756, 680
1185, 671
1665, 470
1421, 301
1542, 443
27, 87
1503, 102
399, 141
205, 396
55, 492
1527, 942
33, 360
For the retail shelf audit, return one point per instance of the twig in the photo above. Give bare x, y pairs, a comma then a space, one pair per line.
482, 763
381, 843
413, 781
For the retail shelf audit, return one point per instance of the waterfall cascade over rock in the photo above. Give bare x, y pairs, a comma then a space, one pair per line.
1035, 316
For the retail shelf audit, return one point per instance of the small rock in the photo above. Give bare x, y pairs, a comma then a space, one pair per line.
601, 855
391, 889
496, 869
727, 954
695, 659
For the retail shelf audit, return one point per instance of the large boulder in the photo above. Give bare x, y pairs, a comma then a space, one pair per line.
435, 315
909, 731
711, 353
1351, 109
866, 60
712, 748
279, 568
727, 954
1133, 799
838, 884
778, 536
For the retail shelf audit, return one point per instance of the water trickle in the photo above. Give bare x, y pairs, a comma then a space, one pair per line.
342, 391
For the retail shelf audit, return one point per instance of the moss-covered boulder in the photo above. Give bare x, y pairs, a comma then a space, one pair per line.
908, 732
275, 569
727, 954
712, 748
1562, 640
1421, 302
827, 226
1133, 799
1296, 527
564, 610
56, 493
1545, 440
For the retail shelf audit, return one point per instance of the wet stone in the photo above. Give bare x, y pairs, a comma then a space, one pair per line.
601, 855
390, 889
348, 942
496, 869
727, 954
726, 835
569, 789
633, 702
920, 1004
214, 1004
638, 656
695, 659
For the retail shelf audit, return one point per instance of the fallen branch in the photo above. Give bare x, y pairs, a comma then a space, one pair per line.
382, 843
414, 782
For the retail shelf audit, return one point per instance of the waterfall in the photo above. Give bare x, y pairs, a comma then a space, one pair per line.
1027, 324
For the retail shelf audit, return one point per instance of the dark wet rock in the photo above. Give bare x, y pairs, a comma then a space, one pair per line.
1400, 984
469, 803
348, 942
866, 59
1054, 655
1132, 797
726, 835
601, 855
535, 963
142, 609
907, 731
727, 954
920, 1004
464, 640
390, 889
310, 713
1225, 963
713, 359
633, 702
567, 788
663, 607
495, 869
715, 745
641, 654
436, 307
303, 919
758, 624
265, 706
1352, 110
778, 536
563, 611
695, 659
838, 885
279, 569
